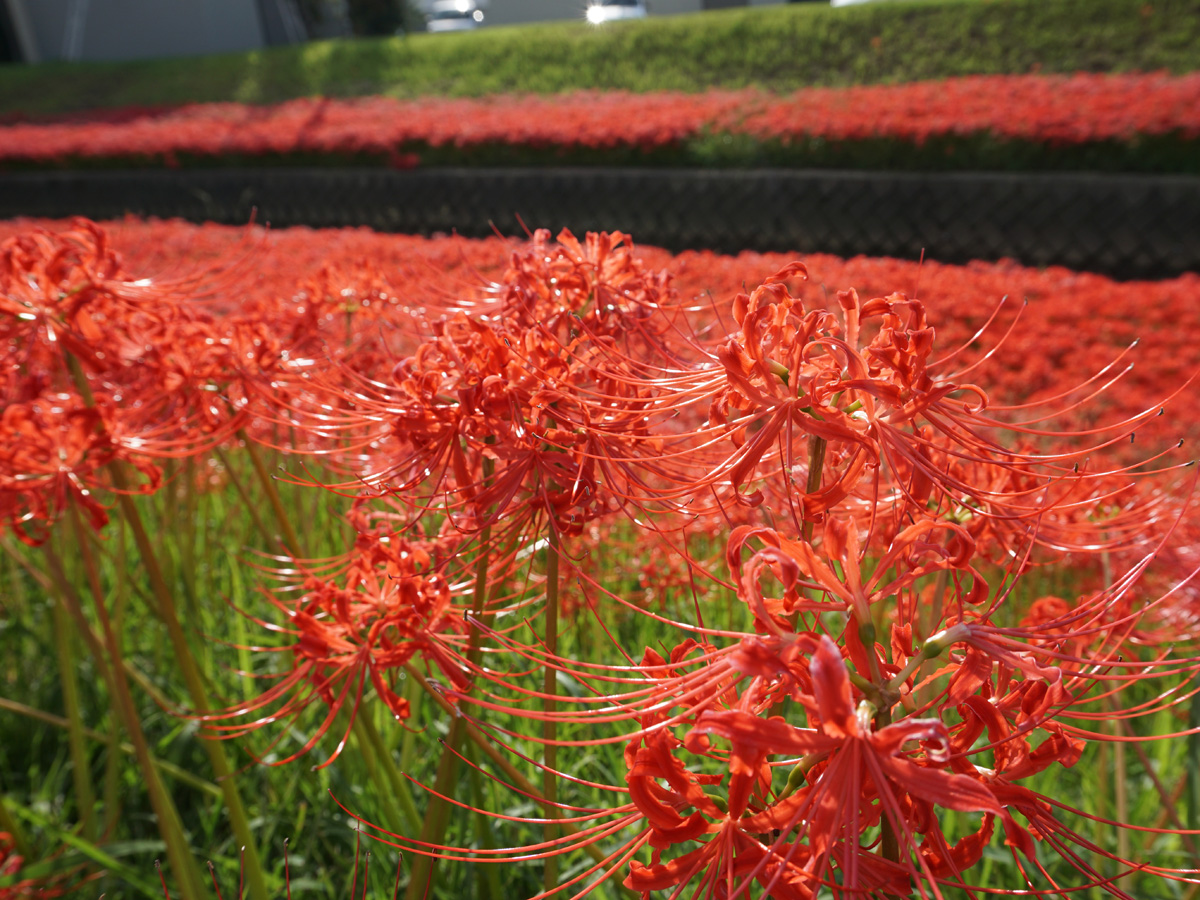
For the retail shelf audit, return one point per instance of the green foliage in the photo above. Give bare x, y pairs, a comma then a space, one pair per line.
779, 48
214, 552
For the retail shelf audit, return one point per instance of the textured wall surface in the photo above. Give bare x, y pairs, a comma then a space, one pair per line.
1127, 226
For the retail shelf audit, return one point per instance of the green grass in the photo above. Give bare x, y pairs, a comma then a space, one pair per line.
779, 48
210, 546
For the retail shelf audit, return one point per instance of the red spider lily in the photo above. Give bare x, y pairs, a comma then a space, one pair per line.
355, 622
518, 382
100, 366
797, 376
855, 777
55, 451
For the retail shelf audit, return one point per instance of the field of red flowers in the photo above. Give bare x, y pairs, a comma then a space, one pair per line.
950, 121
712, 576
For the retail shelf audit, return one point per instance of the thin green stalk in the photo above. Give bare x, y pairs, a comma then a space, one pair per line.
194, 682
1120, 783
368, 736
501, 762
188, 667
93, 577
437, 816
1121, 789
1103, 773
248, 504
121, 593
816, 466
408, 746
112, 804
549, 707
1193, 770
433, 828
371, 759
169, 823
889, 841
187, 535
81, 774
282, 519
483, 824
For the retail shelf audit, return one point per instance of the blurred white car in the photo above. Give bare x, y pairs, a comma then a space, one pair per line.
600, 11
454, 15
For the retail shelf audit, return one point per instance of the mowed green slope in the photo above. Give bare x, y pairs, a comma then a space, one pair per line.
779, 48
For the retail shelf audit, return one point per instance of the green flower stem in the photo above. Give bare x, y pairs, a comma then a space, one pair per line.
372, 758
85, 794
367, 734
437, 815
169, 825
194, 682
248, 504
408, 746
502, 762
549, 706
483, 823
282, 519
1193, 770
889, 842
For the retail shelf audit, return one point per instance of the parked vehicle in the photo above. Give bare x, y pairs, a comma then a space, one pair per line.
454, 15
600, 11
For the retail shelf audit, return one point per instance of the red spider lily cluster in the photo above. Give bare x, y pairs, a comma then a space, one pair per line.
1052, 110
102, 368
843, 510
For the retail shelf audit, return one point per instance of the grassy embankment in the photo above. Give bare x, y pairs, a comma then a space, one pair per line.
778, 48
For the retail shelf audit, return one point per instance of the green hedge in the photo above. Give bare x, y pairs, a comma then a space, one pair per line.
780, 48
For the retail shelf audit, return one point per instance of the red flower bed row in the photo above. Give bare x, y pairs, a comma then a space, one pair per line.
1056, 111
1054, 321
